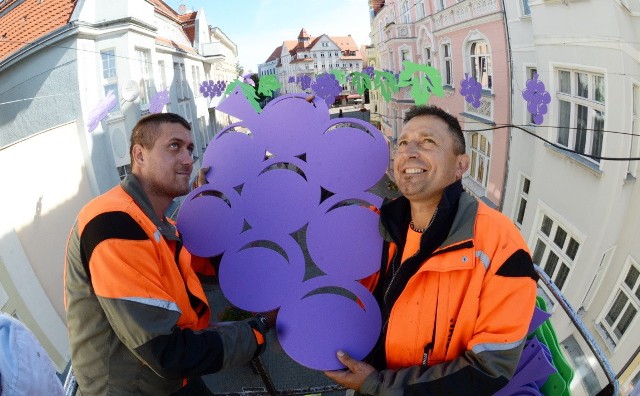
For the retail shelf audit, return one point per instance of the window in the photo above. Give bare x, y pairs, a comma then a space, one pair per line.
480, 156
110, 76
420, 9
581, 104
526, 11
523, 197
439, 5
163, 75
622, 309
195, 79
391, 66
123, 171
446, 64
530, 73
480, 60
180, 79
405, 55
404, 11
427, 56
144, 68
555, 249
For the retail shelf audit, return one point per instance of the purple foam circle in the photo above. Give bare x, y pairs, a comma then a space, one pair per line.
347, 159
345, 242
233, 156
207, 222
289, 125
278, 199
313, 327
256, 276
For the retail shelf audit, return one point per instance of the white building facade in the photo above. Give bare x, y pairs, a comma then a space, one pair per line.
575, 196
48, 90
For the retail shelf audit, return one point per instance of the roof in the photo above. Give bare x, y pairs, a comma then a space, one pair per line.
345, 43
172, 44
303, 34
163, 9
188, 22
25, 21
275, 54
376, 6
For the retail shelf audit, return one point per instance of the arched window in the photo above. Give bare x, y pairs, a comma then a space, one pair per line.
480, 158
480, 63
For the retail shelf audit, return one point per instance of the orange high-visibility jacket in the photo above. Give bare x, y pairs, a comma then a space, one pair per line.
457, 312
137, 315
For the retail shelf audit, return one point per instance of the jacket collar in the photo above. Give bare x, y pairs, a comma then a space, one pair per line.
456, 207
131, 185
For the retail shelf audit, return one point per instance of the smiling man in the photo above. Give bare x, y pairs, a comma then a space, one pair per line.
137, 315
456, 286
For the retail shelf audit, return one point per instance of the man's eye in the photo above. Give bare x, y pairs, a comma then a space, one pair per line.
402, 143
174, 145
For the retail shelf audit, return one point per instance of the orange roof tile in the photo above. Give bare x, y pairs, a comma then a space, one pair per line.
173, 44
275, 54
23, 22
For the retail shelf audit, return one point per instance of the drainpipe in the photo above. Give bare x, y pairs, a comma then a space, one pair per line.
509, 108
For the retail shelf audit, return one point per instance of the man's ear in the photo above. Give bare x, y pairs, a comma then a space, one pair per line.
462, 165
138, 155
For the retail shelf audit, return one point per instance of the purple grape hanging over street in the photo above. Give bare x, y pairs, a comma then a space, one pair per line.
537, 99
327, 87
471, 90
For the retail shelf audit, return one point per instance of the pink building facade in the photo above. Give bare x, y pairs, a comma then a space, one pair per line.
462, 39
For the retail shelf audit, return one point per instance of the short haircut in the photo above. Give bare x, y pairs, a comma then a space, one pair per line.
451, 121
145, 132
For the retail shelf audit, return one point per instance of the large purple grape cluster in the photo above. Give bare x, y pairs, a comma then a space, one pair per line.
368, 70
292, 171
471, 90
537, 99
327, 87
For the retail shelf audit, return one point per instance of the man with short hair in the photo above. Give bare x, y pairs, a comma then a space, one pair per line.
137, 315
457, 285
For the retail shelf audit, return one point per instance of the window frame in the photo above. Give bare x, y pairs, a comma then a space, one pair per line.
447, 63
550, 245
476, 60
110, 80
633, 300
577, 128
145, 71
479, 159
521, 200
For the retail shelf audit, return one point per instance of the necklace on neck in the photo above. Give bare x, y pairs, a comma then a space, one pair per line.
422, 230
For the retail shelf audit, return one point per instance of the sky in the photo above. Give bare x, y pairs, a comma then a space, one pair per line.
257, 27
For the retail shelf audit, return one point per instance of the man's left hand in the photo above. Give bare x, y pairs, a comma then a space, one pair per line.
354, 375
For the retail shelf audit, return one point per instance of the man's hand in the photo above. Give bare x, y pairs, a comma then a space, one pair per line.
354, 375
202, 178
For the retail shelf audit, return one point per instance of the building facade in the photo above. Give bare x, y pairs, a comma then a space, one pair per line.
575, 194
461, 39
312, 56
58, 61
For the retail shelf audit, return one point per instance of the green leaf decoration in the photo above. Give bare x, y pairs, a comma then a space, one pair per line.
340, 76
427, 82
268, 85
361, 82
248, 91
232, 86
386, 83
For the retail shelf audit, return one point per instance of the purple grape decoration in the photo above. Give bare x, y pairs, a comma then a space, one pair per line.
537, 99
471, 90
